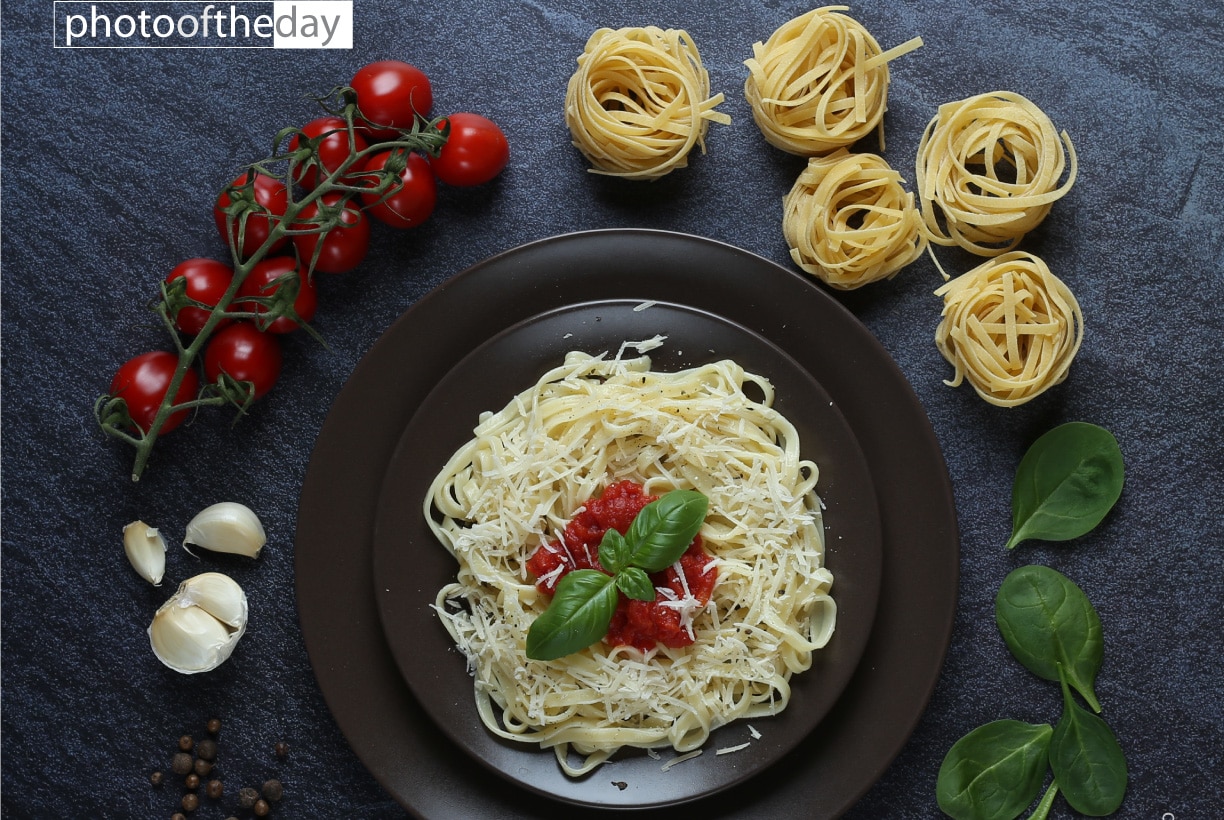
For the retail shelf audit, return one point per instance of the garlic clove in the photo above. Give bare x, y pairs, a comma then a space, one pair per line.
197, 629
146, 551
227, 527
218, 595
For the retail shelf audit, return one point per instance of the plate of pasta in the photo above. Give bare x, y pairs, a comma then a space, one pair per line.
384, 592
570, 402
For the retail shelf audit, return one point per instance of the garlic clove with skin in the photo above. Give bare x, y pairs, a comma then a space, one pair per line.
146, 551
197, 629
226, 527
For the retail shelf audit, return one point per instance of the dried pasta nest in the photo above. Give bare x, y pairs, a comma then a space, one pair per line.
640, 102
1010, 327
820, 82
988, 171
848, 221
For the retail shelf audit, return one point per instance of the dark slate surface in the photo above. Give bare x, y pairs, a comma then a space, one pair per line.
111, 160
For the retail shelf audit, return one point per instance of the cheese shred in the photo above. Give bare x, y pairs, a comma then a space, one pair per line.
586, 424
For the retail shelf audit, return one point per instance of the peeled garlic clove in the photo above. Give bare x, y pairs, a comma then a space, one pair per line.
227, 527
197, 629
146, 551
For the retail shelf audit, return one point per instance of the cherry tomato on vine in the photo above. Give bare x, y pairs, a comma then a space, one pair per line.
266, 278
142, 382
245, 354
207, 282
390, 93
474, 153
332, 149
343, 247
269, 193
409, 201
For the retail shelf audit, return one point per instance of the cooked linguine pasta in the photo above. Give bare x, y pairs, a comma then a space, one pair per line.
586, 424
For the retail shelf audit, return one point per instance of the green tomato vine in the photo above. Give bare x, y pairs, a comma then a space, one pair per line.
287, 161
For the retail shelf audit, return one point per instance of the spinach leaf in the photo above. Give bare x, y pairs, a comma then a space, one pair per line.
1069, 479
663, 530
1048, 622
995, 771
578, 616
1087, 760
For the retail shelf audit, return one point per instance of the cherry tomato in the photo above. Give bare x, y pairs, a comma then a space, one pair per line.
271, 194
390, 93
245, 354
333, 149
266, 278
408, 202
343, 247
207, 281
475, 152
143, 381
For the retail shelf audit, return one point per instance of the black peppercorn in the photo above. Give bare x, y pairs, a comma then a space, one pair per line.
156, 778
215, 789
247, 797
206, 749
191, 802
186, 743
181, 763
203, 767
273, 790
214, 725
262, 808
282, 749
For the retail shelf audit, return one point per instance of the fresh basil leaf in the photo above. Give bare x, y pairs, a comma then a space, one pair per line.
664, 528
578, 616
635, 583
1067, 481
1048, 621
614, 551
994, 772
1087, 761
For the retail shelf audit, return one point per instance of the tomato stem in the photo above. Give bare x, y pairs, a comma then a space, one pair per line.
427, 136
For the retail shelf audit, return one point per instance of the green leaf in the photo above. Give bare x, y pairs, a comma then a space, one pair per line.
1048, 621
1069, 479
994, 772
1087, 761
614, 551
663, 530
578, 616
635, 583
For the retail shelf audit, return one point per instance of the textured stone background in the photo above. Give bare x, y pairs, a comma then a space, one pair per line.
111, 161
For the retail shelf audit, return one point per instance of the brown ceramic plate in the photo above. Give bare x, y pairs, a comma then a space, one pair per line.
395, 737
410, 566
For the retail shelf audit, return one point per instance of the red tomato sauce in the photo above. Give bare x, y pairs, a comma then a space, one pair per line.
641, 624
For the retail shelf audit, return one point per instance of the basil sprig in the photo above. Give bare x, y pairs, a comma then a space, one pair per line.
585, 599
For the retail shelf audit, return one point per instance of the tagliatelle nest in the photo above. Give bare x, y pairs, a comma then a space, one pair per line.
820, 82
987, 172
1010, 327
640, 102
849, 222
